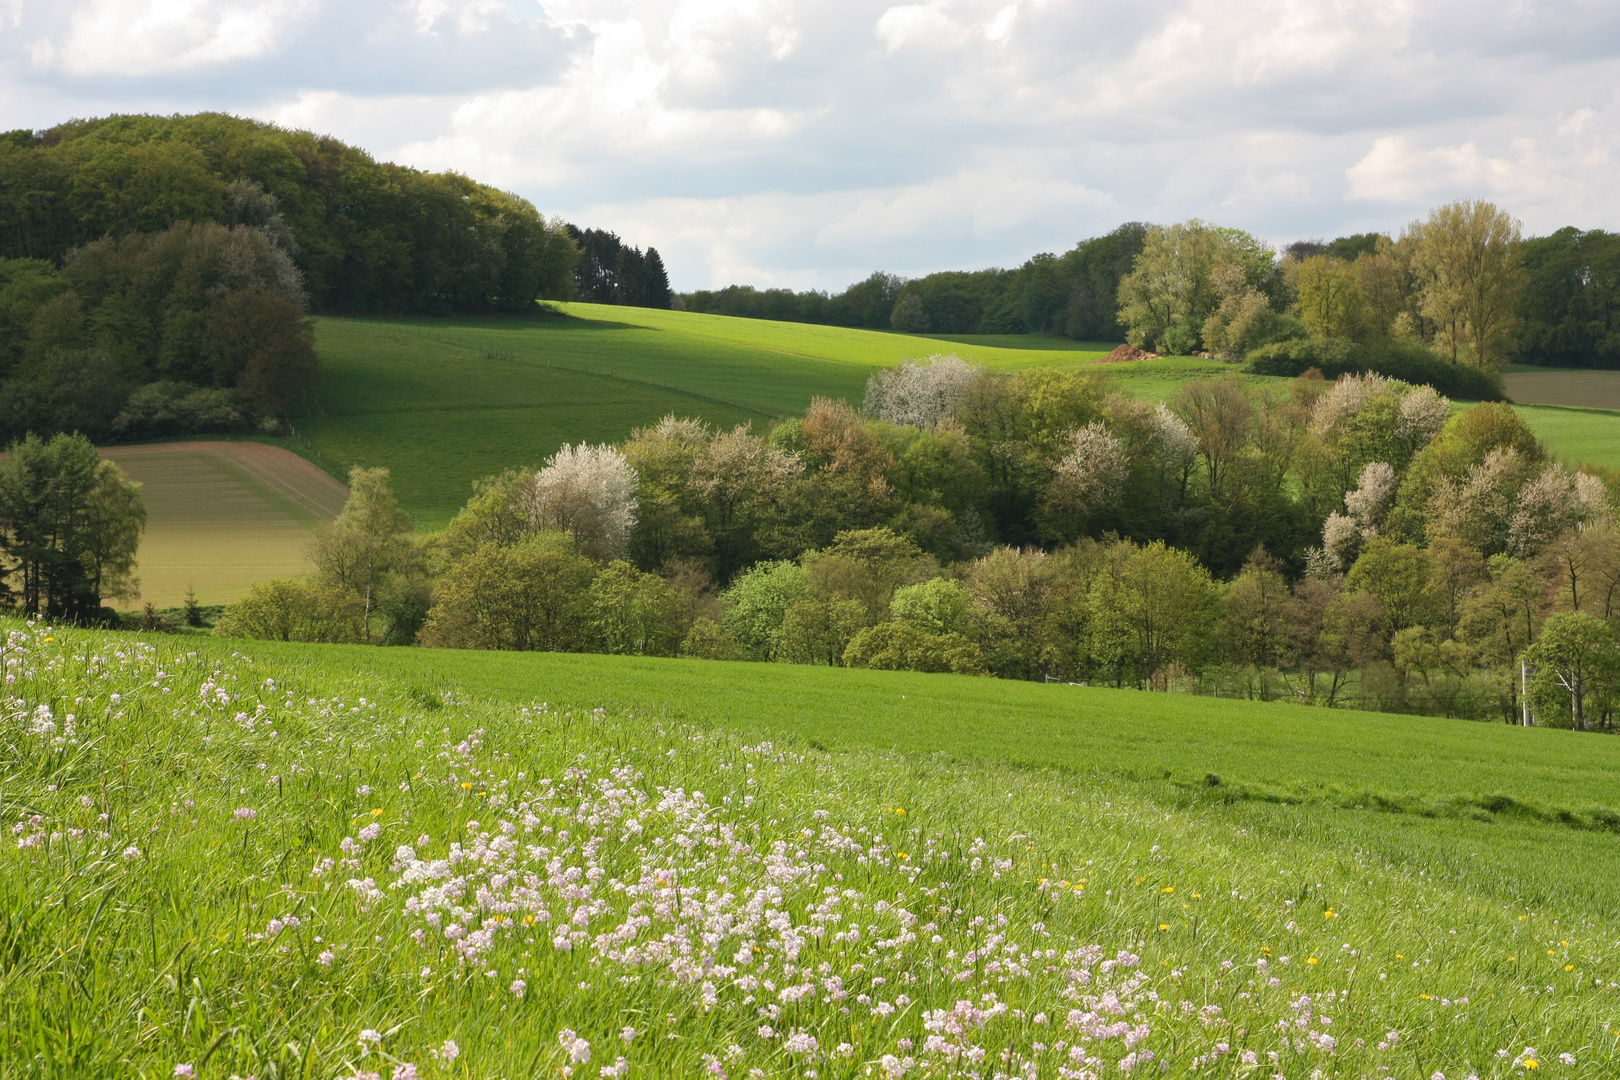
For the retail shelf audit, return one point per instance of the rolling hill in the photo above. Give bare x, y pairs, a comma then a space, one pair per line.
443, 402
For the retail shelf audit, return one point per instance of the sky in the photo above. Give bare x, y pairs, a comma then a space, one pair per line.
806, 143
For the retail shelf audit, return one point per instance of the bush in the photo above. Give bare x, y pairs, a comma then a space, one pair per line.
896, 646
1407, 361
285, 610
708, 640
161, 409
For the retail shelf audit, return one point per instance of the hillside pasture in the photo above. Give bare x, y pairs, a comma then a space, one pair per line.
443, 402
1576, 436
223, 515
534, 875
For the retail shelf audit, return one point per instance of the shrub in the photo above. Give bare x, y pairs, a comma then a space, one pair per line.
168, 408
897, 646
284, 610
1407, 361
708, 640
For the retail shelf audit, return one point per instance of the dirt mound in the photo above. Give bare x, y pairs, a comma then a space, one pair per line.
1127, 352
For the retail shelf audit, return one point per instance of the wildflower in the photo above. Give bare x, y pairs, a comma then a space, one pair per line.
615, 1070
519, 988
800, 1042
326, 958
577, 1049
1312, 960
628, 1034
245, 813
405, 1071
1567, 1059
133, 852
182, 1070
448, 1052
370, 832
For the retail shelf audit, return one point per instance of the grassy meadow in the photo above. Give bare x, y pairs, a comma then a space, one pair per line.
442, 402
223, 515
232, 860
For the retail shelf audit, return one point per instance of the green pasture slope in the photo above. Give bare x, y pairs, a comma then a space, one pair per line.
291, 860
1564, 788
443, 402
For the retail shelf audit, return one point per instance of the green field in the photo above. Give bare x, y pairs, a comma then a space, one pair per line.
323, 861
443, 402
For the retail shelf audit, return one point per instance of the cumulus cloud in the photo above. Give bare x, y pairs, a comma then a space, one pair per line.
807, 143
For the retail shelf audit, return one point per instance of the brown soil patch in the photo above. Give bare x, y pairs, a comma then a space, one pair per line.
223, 515
1127, 353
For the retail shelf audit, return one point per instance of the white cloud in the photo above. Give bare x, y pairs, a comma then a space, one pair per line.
153, 37
810, 141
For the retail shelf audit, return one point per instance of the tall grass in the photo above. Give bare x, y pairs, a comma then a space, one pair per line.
253, 868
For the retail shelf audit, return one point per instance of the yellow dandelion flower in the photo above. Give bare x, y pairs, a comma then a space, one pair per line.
1330, 914
1313, 961
1168, 889
1198, 896
1164, 926
528, 920
900, 810
1565, 944
466, 786
1531, 1063
376, 811
1551, 952
1398, 956
1569, 967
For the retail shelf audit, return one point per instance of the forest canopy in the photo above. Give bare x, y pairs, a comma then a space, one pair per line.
367, 236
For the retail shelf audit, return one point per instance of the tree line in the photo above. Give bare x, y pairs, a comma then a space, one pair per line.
1462, 282
1072, 295
1344, 542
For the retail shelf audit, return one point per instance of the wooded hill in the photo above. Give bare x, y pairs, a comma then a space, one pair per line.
366, 235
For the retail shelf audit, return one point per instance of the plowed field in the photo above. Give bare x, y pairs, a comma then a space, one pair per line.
222, 515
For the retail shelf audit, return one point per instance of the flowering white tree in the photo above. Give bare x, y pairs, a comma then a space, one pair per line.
1371, 499
1423, 413
1091, 474
589, 491
1548, 506
920, 393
